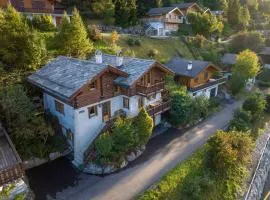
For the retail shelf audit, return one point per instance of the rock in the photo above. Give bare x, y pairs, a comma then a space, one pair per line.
124, 164
143, 147
109, 169
138, 153
54, 155
93, 168
34, 162
131, 157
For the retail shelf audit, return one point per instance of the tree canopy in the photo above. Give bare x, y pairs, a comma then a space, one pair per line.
73, 38
204, 23
247, 65
21, 46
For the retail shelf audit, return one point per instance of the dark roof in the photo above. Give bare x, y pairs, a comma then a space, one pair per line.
179, 66
183, 5
160, 11
135, 67
229, 59
265, 51
64, 76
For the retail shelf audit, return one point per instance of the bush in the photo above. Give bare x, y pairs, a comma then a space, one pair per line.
229, 151
241, 122
143, 126
263, 84
138, 42
153, 53
94, 33
180, 111
247, 40
123, 135
268, 103
256, 104
43, 22
130, 42
236, 84
199, 108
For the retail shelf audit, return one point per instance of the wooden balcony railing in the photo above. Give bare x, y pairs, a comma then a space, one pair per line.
160, 108
146, 90
208, 84
168, 20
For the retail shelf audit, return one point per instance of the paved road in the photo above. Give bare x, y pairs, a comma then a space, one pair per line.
130, 182
267, 187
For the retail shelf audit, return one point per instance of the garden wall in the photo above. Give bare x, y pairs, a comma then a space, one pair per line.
256, 187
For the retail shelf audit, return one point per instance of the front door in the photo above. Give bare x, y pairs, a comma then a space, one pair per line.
106, 111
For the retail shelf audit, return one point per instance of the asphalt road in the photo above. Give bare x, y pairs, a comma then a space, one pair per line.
59, 180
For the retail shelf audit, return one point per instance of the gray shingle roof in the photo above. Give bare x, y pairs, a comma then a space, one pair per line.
64, 76
183, 5
135, 67
229, 59
265, 51
179, 66
160, 11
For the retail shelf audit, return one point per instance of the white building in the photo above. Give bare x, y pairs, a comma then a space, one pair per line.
200, 77
85, 95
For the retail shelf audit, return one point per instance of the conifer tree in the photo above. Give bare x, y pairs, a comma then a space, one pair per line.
21, 47
73, 37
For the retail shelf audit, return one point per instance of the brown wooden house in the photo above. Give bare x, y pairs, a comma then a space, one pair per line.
200, 77
86, 95
40, 7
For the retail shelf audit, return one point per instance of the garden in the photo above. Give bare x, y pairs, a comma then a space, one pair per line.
219, 169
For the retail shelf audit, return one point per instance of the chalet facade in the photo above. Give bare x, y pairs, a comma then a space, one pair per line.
163, 21
200, 77
86, 95
188, 7
31, 8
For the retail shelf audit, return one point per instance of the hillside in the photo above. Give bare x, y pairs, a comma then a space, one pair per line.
166, 48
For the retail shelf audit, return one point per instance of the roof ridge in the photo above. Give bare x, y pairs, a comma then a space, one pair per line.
134, 58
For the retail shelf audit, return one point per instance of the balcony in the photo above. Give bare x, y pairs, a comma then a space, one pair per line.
159, 107
168, 20
147, 90
208, 84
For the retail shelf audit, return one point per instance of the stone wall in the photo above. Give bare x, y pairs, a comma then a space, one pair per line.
255, 190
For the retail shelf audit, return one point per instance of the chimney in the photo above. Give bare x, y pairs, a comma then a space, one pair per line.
119, 58
189, 66
98, 56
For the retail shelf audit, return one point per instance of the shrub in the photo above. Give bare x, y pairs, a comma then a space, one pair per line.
153, 53
199, 186
138, 42
247, 40
263, 84
130, 42
199, 107
94, 33
123, 135
143, 126
104, 144
181, 108
241, 121
43, 22
256, 104
268, 103
236, 84
229, 151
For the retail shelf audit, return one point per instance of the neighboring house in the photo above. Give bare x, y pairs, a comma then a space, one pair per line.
11, 166
38, 7
227, 61
163, 21
265, 57
217, 13
198, 76
188, 7
87, 94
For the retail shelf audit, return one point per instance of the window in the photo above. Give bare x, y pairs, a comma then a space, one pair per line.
92, 111
93, 85
206, 75
59, 107
140, 102
126, 102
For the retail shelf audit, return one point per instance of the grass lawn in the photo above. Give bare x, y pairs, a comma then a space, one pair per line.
166, 47
172, 184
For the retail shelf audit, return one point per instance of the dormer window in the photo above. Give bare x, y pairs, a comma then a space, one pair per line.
93, 85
